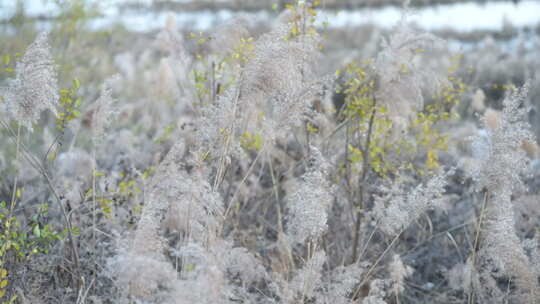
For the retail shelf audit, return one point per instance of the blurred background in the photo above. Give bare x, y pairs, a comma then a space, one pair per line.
497, 40
471, 16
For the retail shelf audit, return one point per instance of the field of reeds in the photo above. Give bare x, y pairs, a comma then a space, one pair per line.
281, 160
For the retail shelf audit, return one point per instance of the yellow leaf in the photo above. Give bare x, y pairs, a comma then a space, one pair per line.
432, 161
3, 283
52, 156
3, 273
311, 128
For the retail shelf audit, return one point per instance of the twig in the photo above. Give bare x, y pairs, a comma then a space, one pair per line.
476, 241
379, 259
225, 214
362, 180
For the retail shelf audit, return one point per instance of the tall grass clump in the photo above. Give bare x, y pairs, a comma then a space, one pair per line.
34, 88
499, 175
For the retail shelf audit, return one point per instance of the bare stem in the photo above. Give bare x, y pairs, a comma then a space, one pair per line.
362, 181
477, 240
17, 151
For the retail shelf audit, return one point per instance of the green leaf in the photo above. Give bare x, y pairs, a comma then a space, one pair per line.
76, 231
76, 84
37, 231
